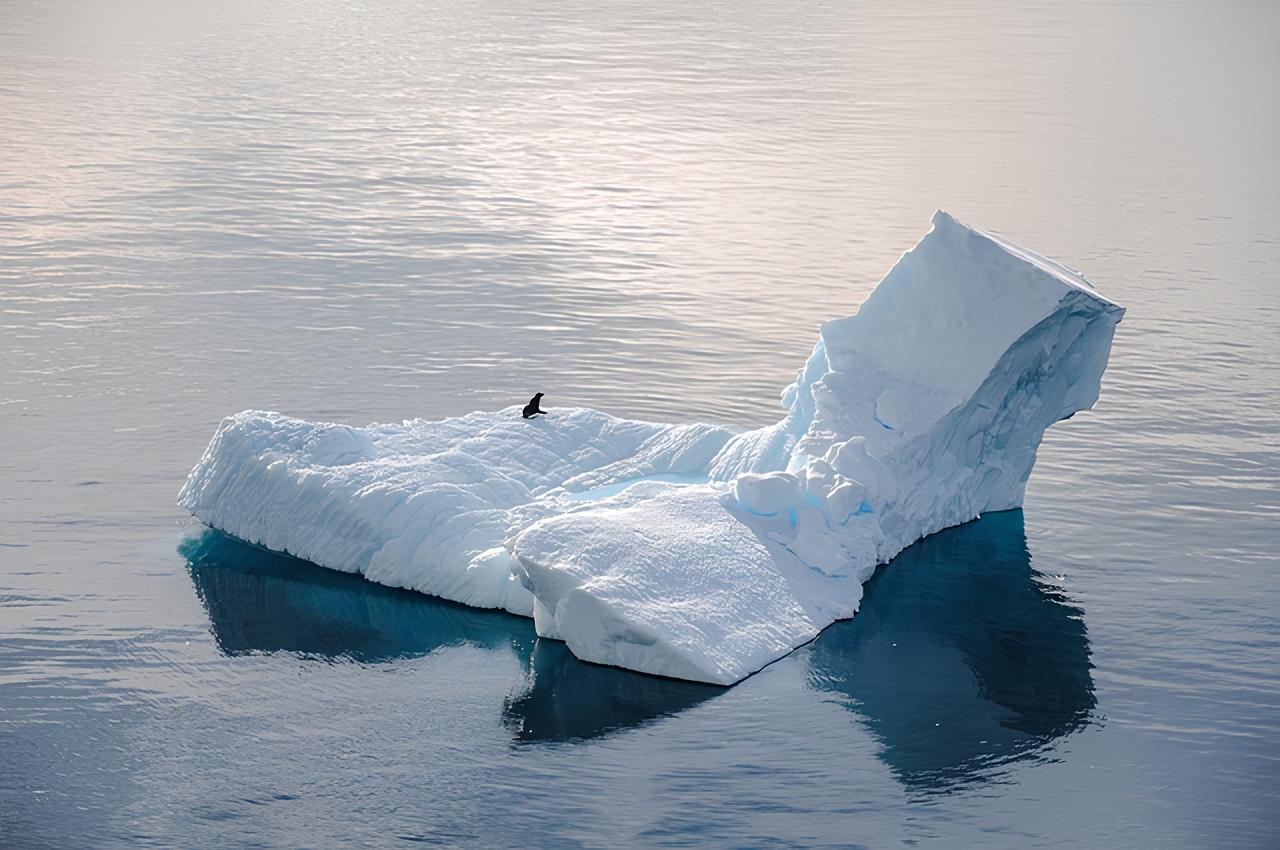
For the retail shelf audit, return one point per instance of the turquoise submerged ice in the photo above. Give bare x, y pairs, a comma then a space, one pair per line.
688, 550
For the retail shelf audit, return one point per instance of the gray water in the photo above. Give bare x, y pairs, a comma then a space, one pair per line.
371, 211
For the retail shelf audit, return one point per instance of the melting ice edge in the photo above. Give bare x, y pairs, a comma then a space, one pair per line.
692, 551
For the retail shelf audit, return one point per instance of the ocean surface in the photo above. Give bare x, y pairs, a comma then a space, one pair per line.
371, 211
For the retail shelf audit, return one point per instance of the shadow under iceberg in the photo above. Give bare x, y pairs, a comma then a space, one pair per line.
263, 601
567, 699
960, 660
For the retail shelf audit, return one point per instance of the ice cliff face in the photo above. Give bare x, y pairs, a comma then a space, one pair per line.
685, 550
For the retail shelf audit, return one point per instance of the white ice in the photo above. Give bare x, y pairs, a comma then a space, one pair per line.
688, 550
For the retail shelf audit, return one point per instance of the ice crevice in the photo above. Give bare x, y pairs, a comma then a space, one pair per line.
690, 550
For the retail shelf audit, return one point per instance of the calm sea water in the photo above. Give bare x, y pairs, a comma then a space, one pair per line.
372, 211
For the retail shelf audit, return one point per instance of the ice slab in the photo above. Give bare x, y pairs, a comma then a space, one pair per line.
425, 504
687, 550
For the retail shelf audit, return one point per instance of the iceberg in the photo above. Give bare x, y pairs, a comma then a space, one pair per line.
691, 551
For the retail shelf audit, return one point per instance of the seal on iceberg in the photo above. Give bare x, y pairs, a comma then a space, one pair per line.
532, 409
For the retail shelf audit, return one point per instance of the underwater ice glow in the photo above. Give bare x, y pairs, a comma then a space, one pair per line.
691, 551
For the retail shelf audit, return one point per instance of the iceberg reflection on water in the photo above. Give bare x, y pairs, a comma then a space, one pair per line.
568, 699
263, 601
960, 661
260, 601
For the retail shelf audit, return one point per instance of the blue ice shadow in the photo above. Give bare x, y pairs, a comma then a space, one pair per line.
959, 661
263, 601
567, 699
260, 601
962, 659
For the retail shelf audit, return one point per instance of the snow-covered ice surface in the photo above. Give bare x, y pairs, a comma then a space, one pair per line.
425, 504
688, 550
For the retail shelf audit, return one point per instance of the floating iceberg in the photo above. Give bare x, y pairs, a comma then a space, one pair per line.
691, 551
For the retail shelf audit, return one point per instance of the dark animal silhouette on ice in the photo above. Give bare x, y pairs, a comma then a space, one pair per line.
532, 409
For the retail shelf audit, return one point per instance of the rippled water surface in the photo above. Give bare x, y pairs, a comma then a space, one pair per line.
371, 211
